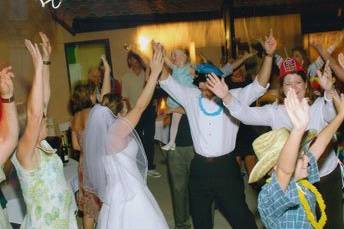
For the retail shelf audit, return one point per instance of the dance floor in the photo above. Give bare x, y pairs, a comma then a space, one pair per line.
161, 191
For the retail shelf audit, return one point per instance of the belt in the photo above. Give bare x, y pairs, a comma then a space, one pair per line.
213, 159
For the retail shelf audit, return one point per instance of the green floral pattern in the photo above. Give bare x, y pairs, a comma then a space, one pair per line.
49, 199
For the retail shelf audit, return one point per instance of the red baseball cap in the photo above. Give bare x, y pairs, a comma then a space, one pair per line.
290, 66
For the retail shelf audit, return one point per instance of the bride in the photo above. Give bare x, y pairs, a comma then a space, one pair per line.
115, 162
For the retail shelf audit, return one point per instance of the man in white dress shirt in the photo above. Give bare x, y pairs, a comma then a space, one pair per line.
215, 175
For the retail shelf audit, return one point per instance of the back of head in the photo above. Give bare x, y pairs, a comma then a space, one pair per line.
81, 97
113, 102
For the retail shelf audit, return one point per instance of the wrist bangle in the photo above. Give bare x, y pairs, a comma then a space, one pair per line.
46, 62
9, 100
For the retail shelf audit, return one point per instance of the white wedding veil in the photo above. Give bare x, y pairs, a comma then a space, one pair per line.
111, 146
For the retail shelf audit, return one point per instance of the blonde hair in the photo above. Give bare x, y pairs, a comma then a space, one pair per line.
185, 51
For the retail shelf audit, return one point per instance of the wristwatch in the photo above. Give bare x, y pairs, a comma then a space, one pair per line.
9, 100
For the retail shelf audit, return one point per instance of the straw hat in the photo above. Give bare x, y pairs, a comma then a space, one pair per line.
267, 147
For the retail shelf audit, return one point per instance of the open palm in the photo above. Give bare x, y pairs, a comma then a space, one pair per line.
217, 86
298, 111
325, 79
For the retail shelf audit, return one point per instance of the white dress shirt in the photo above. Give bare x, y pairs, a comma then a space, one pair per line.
212, 136
276, 116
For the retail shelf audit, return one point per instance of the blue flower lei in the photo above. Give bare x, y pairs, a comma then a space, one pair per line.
215, 113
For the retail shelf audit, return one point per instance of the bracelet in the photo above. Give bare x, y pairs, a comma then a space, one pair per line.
10, 100
46, 62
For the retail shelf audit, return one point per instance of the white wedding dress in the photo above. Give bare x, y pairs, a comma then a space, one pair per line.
116, 169
128, 202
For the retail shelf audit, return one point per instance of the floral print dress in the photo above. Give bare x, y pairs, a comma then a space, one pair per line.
49, 199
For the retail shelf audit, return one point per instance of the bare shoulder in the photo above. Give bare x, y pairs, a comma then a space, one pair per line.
79, 120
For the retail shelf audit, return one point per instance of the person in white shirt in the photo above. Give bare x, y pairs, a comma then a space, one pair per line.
322, 112
214, 173
132, 86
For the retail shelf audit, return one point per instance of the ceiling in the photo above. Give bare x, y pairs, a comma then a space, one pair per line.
95, 15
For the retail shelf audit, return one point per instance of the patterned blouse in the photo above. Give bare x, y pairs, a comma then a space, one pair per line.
49, 199
282, 209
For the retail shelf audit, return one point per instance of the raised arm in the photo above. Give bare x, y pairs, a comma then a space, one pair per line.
35, 108
106, 87
270, 46
298, 113
258, 116
238, 62
333, 64
134, 115
46, 52
327, 84
8, 116
325, 136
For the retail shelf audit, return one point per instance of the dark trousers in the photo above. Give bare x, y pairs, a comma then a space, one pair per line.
146, 130
330, 187
218, 180
178, 162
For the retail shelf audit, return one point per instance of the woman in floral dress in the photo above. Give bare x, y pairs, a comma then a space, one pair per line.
49, 199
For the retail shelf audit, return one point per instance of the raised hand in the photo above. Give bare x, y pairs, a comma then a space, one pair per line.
341, 59
270, 44
155, 45
46, 47
298, 111
250, 54
35, 55
105, 63
6, 84
217, 86
157, 61
325, 79
317, 45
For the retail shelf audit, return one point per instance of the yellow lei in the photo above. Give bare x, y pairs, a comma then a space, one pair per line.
312, 219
